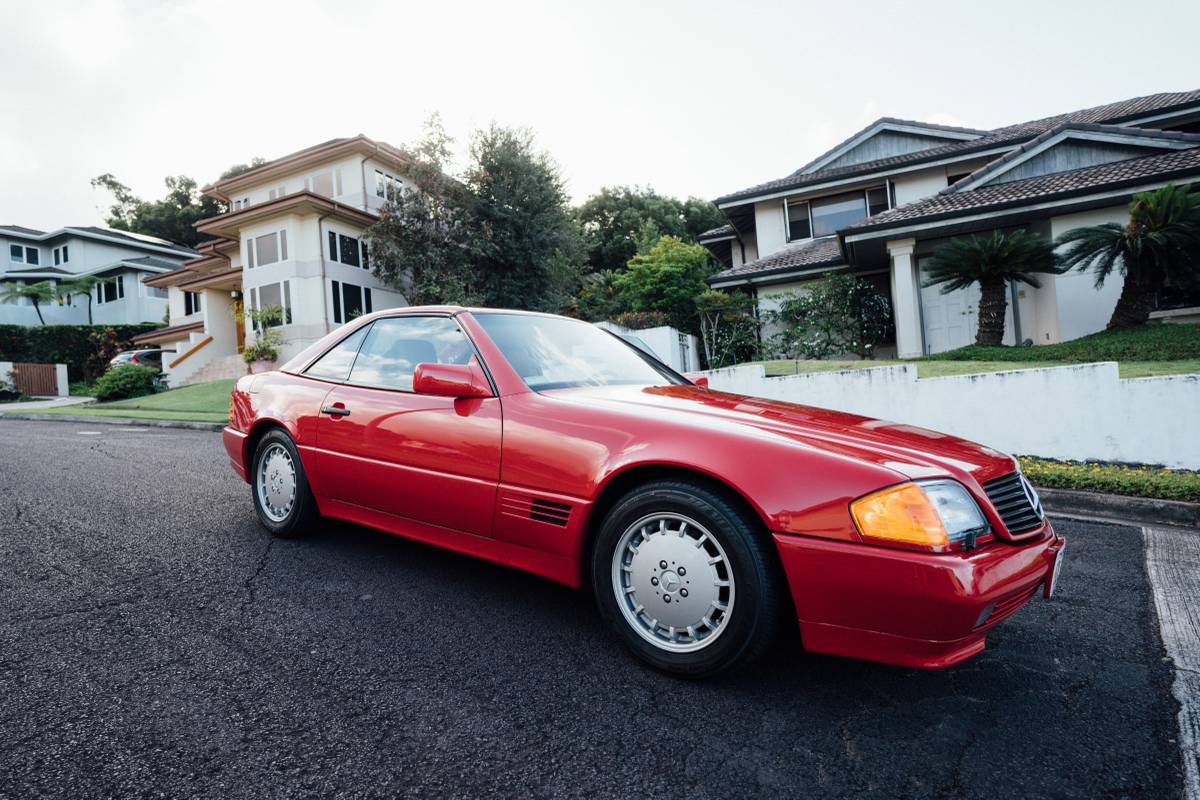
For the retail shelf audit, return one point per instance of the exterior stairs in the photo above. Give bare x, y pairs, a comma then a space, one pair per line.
230, 366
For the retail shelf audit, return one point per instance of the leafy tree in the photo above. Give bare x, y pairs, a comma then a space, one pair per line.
83, 285
618, 219
1158, 248
36, 293
667, 278
171, 218
992, 262
837, 314
728, 328
600, 297
424, 241
527, 247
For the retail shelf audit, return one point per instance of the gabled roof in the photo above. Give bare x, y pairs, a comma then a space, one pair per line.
1112, 178
811, 254
717, 234
20, 230
1146, 138
128, 238
995, 140
228, 225
882, 124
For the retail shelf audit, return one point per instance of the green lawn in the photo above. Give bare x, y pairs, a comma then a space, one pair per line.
1151, 342
937, 369
203, 402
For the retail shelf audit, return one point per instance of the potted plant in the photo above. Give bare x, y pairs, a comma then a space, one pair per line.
262, 353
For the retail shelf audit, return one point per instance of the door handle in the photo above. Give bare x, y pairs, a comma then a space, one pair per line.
335, 411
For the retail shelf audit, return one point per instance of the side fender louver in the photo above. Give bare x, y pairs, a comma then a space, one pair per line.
524, 506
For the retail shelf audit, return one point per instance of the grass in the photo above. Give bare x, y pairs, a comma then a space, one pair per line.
1133, 481
936, 369
202, 402
1152, 342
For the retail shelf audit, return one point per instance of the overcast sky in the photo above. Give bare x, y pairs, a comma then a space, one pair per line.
697, 98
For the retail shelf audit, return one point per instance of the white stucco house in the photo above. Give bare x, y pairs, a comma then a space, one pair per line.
121, 259
879, 203
292, 238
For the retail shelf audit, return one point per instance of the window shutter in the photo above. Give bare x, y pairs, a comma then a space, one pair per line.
283, 245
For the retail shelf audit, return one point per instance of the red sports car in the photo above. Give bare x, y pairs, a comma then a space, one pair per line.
699, 520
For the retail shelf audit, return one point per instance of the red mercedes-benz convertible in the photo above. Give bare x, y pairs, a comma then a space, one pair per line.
699, 520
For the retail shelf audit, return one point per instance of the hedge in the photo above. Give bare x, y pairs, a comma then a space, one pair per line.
1131, 480
85, 355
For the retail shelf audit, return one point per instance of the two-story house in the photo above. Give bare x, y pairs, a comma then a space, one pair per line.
292, 239
121, 260
878, 204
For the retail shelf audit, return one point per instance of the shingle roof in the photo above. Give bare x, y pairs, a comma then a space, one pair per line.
803, 255
1012, 134
1165, 166
136, 238
21, 229
932, 126
720, 232
153, 261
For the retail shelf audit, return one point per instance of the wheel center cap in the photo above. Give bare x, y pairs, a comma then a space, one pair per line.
670, 581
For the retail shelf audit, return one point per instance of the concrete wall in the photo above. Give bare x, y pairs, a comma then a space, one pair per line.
1077, 412
681, 356
1081, 308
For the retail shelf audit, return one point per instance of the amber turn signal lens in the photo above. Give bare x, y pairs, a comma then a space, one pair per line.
901, 514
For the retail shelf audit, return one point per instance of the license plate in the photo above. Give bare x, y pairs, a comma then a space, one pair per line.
1057, 568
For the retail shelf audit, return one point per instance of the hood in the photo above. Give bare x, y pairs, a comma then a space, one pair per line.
911, 451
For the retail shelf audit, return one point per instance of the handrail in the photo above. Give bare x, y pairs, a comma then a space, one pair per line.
184, 357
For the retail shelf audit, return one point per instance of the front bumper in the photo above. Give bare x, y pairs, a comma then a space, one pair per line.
908, 608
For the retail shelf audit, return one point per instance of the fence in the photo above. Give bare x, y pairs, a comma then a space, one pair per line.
1077, 412
36, 380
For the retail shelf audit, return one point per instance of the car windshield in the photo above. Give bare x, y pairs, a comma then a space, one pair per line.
559, 353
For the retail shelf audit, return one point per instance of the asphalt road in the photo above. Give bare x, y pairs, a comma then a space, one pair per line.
155, 642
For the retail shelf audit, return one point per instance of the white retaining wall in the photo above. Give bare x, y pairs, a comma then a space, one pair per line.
1077, 412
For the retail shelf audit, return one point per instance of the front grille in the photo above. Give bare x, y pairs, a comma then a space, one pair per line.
1012, 503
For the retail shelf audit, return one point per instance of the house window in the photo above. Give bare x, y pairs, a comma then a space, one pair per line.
191, 303
347, 250
23, 255
324, 183
154, 291
241, 203
877, 200
798, 225
266, 249
276, 193
110, 290
350, 301
387, 186
274, 295
833, 213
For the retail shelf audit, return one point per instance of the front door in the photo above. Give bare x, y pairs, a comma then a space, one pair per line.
950, 319
379, 445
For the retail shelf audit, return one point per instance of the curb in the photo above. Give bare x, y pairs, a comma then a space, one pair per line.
1120, 508
127, 421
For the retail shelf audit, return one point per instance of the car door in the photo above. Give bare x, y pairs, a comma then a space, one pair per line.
427, 458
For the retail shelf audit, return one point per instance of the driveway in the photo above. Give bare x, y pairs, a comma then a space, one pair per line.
154, 641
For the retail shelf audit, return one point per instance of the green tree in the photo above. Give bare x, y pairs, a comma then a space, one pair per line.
834, 315
992, 262
600, 297
616, 220
424, 242
1158, 248
728, 328
82, 285
36, 293
667, 278
527, 252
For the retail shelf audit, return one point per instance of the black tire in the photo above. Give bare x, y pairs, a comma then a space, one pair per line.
303, 513
755, 615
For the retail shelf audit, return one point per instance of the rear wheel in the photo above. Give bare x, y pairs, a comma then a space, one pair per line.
686, 578
282, 498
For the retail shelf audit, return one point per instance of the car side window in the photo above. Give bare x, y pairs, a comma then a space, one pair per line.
335, 365
395, 345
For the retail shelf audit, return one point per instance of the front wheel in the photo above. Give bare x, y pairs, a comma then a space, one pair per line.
282, 498
687, 578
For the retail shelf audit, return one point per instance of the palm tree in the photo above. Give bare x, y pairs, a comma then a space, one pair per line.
81, 284
992, 262
1158, 247
37, 293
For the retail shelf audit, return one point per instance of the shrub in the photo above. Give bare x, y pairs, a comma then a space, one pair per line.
129, 380
85, 349
728, 327
835, 315
1124, 479
640, 320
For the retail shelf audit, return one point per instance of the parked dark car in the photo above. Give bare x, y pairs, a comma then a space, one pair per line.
148, 357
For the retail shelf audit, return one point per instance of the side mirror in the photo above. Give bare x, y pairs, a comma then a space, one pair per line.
451, 380
698, 380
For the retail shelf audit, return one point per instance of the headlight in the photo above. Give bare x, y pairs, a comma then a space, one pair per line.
929, 514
